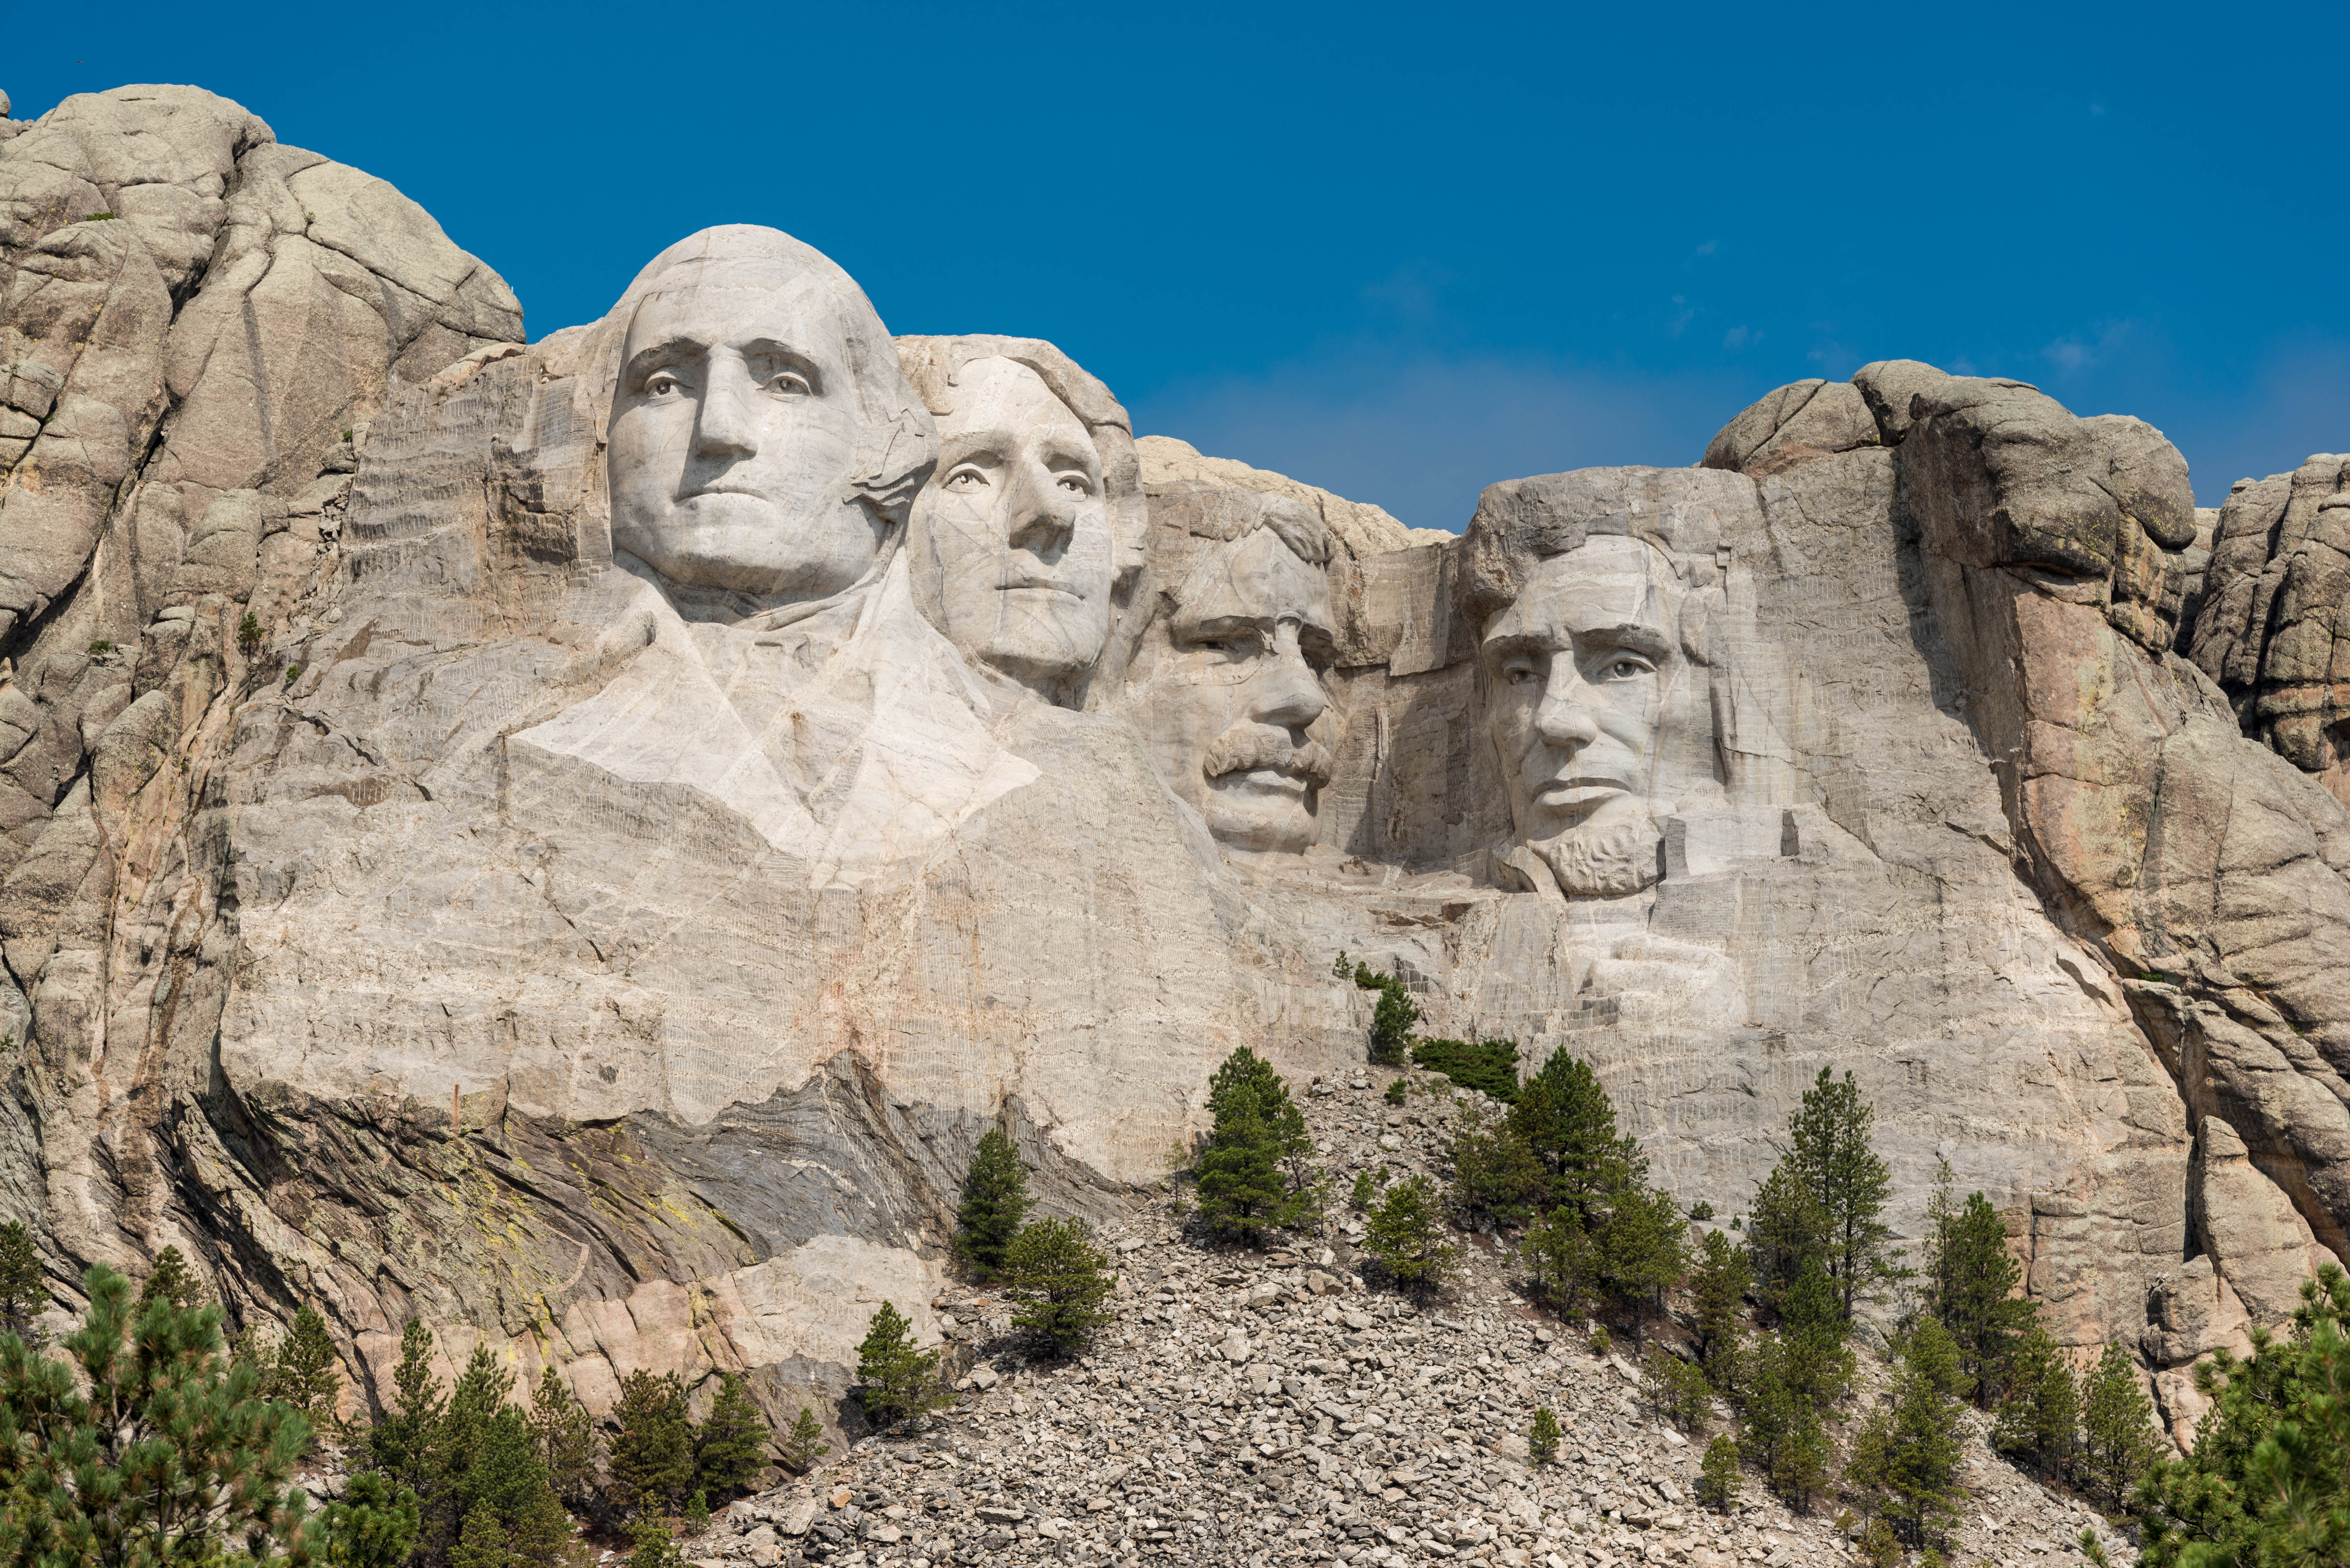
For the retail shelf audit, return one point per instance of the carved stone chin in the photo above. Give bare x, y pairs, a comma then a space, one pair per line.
1603, 862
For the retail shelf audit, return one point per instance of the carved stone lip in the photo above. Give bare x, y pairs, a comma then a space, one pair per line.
1285, 778
1578, 795
722, 488
1289, 771
1042, 587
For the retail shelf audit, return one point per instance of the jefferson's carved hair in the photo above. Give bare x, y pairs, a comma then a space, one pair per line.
935, 366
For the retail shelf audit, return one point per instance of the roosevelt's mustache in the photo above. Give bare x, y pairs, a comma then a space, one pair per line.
1239, 750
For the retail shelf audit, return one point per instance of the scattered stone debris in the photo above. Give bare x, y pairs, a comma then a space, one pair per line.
1251, 1408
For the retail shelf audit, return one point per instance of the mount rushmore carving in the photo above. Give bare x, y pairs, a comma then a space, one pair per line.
686, 778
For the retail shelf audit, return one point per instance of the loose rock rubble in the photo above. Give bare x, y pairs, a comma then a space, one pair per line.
1260, 1407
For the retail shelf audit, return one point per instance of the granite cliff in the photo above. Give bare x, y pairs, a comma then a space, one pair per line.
576, 840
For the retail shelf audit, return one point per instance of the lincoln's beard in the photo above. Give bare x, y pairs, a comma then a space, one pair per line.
1603, 862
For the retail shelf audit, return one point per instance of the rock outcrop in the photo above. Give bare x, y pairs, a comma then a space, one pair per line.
2206, 871
487, 839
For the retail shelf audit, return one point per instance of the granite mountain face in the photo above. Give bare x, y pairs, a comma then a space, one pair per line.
576, 841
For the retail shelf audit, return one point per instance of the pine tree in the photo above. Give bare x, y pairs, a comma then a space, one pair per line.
1909, 1455
374, 1525
24, 1288
482, 1542
1783, 1435
1392, 1019
805, 1444
307, 1372
994, 1200
172, 1281
1406, 1236
143, 1445
652, 1446
1495, 1173
1815, 1360
2268, 1480
1542, 1439
1849, 1184
656, 1544
1786, 1233
2040, 1414
1972, 1289
1721, 1284
483, 1454
1643, 1249
1790, 1380
731, 1442
1061, 1281
900, 1382
1718, 1482
401, 1445
542, 1535
1565, 1118
1927, 1347
2118, 1440
566, 1436
1242, 1189
1676, 1390
1562, 1261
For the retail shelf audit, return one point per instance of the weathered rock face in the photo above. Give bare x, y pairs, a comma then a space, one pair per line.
2272, 596
576, 842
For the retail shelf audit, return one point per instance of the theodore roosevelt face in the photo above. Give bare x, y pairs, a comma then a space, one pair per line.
734, 434
1233, 696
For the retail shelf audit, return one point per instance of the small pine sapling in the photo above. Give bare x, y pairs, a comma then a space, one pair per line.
899, 1382
24, 1289
805, 1444
1542, 1438
1406, 1236
172, 1281
1718, 1477
730, 1443
307, 1372
994, 1202
1061, 1281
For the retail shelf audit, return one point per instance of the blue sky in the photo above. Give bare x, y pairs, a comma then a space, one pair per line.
1400, 253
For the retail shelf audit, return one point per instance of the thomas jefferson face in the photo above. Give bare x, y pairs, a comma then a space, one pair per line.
1014, 525
734, 435
1593, 708
1229, 701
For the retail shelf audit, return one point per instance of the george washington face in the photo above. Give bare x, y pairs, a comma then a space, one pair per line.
734, 434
